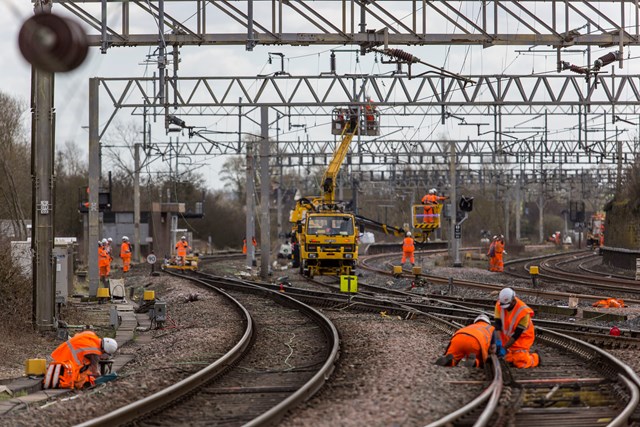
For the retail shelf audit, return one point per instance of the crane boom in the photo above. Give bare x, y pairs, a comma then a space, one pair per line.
331, 174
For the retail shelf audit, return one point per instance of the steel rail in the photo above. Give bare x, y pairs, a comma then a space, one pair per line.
591, 352
149, 404
491, 395
316, 382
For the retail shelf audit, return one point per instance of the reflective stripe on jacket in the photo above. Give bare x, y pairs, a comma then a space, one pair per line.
407, 245
77, 347
181, 248
511, 319
482, 332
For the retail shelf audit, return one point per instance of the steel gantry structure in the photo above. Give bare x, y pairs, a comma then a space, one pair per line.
373, 27
590, 111
557, 23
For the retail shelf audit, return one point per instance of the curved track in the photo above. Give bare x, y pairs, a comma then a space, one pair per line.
250, 387
580, 385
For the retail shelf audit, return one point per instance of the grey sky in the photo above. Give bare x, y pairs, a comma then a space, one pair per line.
71, 88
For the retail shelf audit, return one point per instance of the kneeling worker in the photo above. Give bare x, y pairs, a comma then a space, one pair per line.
76, 361
514, 328
473, 342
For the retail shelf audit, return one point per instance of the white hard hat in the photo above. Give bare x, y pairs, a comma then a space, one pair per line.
109, 240
125, 238
495, 237
483, 317
183, 238
433, 191
408, 234
109, 345
104, 241
506, 296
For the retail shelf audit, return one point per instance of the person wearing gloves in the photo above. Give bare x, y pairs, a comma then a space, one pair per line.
514, 327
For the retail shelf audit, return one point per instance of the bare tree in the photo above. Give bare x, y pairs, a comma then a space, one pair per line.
14, 164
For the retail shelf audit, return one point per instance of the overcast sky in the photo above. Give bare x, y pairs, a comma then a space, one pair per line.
71, 99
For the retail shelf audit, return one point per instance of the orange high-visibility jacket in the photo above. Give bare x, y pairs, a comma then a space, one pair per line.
125, 250
511, 319
482, 332
77, 347
407, 245
103, 257
499, 247
181, 248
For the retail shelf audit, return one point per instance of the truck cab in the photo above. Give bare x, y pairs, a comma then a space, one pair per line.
328, 244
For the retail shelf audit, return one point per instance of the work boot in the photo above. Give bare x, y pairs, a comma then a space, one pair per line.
445, 360
470, 361
539, 358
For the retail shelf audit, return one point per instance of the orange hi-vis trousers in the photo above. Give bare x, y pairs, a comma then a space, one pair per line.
462, 345
521, 358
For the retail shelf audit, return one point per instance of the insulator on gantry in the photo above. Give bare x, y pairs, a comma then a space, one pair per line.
576, 69
401, 54
607, 59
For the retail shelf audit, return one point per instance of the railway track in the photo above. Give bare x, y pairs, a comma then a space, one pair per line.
535, 292
556, 269
259, 379
579, 385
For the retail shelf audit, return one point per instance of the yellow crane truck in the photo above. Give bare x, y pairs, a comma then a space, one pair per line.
325, 237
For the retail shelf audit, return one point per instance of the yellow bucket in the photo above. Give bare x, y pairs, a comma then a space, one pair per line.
103, 293
149, 295
35, 367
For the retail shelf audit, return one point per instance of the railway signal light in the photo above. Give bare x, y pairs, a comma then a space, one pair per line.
466, 204
52, 43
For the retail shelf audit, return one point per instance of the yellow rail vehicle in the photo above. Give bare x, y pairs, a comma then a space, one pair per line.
328, 244
190, 263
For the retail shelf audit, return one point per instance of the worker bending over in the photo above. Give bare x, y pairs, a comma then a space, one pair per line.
472, 343
76, 361
408, 248
514, 328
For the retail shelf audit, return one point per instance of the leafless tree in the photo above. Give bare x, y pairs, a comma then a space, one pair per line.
14, 164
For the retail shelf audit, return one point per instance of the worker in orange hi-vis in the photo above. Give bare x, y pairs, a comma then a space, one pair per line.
472, 343
514, 328
125, 254
408, 248
609, 303
182, 248
244, 246
104, 261
430, 200
499, 250
76, 362
491, 253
